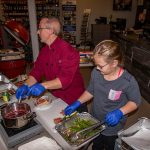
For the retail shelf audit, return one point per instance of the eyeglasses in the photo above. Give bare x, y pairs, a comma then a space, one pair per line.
42, 28
101, 67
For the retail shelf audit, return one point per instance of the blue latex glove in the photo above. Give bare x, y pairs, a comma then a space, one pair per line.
71, 108
36, 90
22, 91
112, 118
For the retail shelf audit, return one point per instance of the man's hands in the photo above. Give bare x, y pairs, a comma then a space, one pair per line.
36, 90
71, 108
26, 91
22, 91
112, 118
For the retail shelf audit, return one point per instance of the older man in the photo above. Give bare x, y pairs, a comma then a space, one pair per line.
58, 63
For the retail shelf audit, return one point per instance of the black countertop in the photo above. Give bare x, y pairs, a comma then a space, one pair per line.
137, 51
134, 39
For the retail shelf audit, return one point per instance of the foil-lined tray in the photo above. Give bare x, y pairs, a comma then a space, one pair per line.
75, 124
137, 136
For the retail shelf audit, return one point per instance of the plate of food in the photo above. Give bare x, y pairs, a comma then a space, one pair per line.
43, 102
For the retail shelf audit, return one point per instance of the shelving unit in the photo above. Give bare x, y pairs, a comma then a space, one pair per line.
47, 8
18, 9
15, 9
69, 21
84, 26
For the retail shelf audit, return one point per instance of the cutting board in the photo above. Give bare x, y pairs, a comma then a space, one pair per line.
46, 117
47, 114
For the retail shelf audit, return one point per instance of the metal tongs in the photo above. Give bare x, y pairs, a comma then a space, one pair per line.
80, 134
66, 117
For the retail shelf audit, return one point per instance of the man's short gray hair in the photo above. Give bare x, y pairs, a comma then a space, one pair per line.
54, 24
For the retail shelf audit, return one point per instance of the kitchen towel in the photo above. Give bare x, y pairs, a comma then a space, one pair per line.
43, 143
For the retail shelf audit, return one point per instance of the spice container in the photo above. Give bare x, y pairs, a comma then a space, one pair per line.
5, 97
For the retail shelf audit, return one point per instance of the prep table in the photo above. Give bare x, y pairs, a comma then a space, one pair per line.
46, 115
44, 120
40, 112
11, 139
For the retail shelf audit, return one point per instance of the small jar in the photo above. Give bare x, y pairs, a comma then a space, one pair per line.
5, 97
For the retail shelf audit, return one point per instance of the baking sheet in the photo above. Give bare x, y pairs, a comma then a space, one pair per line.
64, 128
139, 141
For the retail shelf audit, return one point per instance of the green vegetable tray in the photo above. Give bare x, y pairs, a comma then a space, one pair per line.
77, 123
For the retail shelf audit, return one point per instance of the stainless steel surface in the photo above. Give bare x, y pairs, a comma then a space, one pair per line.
6, 86
65, 126
137, 136
4, 79
130, 134
142, 123
20, 137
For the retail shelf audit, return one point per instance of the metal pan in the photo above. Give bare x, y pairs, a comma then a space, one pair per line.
16, 115
66, 129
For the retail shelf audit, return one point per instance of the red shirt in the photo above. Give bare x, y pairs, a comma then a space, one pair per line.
60, 60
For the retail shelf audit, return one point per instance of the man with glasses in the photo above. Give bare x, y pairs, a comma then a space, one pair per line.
58, 63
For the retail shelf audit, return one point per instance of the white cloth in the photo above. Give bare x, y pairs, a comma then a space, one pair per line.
43, 143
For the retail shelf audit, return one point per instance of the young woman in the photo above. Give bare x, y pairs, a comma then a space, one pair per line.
114, 90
